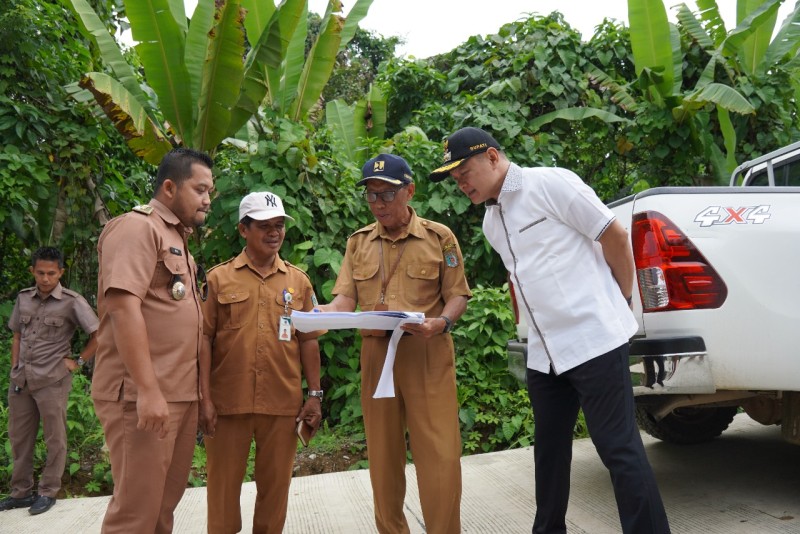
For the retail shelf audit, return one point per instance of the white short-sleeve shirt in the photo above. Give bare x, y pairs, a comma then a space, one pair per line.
545, 226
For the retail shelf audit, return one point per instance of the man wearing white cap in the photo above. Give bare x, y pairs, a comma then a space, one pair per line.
252, 364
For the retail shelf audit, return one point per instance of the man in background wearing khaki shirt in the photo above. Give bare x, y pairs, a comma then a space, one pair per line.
145, 384
251, 371
406, 263
44, 320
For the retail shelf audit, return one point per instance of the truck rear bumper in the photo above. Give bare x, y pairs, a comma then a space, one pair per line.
668, 366
664, 366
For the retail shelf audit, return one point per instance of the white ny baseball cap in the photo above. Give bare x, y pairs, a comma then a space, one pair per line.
261, 206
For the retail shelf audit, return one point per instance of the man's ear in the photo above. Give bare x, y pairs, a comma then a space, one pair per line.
168, 188
411, 188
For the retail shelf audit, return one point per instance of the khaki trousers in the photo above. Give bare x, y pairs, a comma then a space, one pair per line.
150, 474
226, 462
426, 405
25, 410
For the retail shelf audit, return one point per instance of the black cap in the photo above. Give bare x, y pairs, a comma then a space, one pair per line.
388, 168
461, 146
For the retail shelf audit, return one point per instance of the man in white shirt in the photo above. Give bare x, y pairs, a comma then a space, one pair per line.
572, 266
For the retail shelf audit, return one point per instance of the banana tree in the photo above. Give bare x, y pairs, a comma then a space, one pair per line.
352, 124
200, 86
658, 58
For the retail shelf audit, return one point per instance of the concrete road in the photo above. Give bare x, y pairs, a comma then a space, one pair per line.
746, 482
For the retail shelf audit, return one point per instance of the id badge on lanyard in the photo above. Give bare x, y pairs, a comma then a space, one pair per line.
285, 321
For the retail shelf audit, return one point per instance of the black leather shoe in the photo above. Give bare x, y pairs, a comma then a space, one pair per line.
9, 503
42, 504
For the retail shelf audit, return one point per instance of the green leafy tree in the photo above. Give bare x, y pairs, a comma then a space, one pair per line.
61, 170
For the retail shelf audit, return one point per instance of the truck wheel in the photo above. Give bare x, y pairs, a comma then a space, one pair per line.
688, 425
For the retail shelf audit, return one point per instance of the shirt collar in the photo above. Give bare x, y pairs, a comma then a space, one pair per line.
168, 216
414, 227
56, 293
512, 182
243, 260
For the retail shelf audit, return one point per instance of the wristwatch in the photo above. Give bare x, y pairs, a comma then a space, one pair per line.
80, 361
315, 393
448, 324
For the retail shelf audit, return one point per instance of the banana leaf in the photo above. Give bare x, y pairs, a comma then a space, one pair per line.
735, 40
575, 114
259, 13
339, 117
197, 43
787, 40
356, 15
370, 114
318, 67
755, 47
619, 94
128, 117
728, 137
694, 28
96, 31
651, 41
722, 95
709, 13
261, 69
222, 75
291, 68
161, 49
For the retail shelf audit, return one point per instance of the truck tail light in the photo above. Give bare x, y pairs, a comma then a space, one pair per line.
672, 273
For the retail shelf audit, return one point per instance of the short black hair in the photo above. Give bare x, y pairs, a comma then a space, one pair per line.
246, 220
177, 165
48, 254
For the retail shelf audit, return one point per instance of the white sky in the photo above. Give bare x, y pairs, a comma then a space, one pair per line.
435, 26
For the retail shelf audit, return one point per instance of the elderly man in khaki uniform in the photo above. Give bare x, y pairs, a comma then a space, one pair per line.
406, 263
145, 385
252, 368
44, 320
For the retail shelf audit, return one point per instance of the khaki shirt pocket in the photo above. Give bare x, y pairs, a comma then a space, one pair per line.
296, 303
51, 328
368, 285
233, 309
422, 283
166, 274
24, 324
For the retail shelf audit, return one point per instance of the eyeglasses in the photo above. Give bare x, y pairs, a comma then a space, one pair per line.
386, 196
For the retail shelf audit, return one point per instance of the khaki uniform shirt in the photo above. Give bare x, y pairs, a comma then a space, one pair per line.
46, 328
142, 254
252, 371
430, 272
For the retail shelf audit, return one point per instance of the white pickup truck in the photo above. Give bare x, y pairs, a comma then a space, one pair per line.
717, 302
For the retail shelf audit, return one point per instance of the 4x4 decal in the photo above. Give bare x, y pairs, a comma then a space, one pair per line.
714, 215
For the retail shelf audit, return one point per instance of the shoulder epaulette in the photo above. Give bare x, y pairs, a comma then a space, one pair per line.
146, 209
296, 268
367, 228
440, 229
70, 292
27, 289
220, 264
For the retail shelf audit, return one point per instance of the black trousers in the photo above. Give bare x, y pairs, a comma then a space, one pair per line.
602, 387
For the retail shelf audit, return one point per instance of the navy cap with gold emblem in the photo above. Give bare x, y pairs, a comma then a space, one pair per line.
387, 168
461, 146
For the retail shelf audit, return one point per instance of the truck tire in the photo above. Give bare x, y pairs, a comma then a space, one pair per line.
688, 425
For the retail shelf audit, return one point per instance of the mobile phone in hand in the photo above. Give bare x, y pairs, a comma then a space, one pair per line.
304, 432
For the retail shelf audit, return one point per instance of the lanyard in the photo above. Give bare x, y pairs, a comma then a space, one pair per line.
385, 282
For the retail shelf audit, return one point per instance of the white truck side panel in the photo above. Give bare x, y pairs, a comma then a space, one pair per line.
753, 340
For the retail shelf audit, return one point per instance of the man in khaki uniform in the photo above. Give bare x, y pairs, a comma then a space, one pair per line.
406, 263
145, 385
44, 320
251, 371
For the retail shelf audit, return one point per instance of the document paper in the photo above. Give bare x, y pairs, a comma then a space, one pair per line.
372, 320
